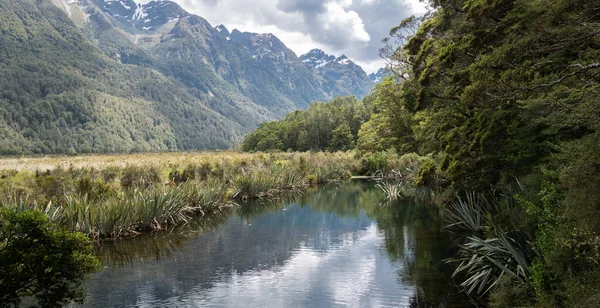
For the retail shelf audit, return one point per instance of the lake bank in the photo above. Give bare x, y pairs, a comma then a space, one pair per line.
113, 196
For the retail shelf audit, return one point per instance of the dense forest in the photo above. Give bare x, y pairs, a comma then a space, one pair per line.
59, 93
503, 97
332, 126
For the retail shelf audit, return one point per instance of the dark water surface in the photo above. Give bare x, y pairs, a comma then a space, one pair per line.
334, 246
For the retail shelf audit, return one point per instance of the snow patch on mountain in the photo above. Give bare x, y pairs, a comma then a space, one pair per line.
139, 12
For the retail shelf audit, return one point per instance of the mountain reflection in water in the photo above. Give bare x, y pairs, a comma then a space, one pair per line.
335, 245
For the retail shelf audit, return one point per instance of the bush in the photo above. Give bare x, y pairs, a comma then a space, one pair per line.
427, 174
139, 177
39, 260
375, 163
187, 174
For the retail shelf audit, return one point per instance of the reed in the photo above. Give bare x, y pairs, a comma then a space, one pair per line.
108, 196
391, 191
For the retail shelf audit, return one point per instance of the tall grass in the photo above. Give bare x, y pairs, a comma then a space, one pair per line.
391, 191
135, 211
117, 196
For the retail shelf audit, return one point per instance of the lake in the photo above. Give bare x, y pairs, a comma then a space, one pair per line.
334, 246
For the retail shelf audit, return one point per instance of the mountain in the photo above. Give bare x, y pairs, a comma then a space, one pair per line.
379, 75
338, 73
60, 91
118, 76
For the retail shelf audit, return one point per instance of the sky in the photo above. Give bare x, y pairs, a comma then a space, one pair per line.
351, 27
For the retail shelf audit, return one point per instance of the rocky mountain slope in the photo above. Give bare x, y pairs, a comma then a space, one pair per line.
338, 73
379, 75
117, 76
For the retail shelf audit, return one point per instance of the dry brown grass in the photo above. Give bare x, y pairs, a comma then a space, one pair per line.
160, 160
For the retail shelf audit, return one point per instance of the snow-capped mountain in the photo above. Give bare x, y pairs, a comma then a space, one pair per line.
342, 71
148, 17
246, 78
316, 58
379, 75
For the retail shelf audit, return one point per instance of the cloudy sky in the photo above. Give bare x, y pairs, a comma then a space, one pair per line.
351, 27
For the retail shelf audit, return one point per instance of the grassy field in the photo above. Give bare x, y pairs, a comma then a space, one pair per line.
108, 196
169, 159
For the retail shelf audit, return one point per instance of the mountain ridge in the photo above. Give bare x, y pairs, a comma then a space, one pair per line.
149, 77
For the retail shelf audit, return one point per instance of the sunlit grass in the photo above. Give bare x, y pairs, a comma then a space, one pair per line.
107, 196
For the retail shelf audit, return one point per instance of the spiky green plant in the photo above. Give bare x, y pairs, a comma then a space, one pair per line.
484, 262
466, 214
254, 186
391, 191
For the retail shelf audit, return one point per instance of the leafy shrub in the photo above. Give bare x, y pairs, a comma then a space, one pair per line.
187, 174
37, 259
139, 177
375, 163
427, 174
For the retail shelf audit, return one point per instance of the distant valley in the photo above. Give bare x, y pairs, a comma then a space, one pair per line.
84, 76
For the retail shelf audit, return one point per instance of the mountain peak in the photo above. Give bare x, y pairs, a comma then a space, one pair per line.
379, 75
343, 60
316, 58
223, 30
149, 16
316, 51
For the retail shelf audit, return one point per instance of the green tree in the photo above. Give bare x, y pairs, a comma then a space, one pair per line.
37, 259
342, 138
509, 89
329, 126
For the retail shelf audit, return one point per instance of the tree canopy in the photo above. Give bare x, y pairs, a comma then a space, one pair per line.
41, 261
329, 126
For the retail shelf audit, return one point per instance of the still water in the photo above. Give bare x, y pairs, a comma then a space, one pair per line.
334, 246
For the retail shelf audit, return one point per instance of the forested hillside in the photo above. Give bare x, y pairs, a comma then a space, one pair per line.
503, 98
116, 76
59, 93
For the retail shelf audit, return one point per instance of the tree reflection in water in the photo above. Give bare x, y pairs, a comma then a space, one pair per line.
263, 235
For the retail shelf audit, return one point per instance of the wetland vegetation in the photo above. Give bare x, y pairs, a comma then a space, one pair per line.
121, 196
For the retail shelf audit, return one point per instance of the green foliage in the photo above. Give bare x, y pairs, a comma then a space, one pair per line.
375, 163
342, 140
329, 126
139, 177
39, 260
429, 174
492, 259
391, 124
61, 94
498, 90
485, 262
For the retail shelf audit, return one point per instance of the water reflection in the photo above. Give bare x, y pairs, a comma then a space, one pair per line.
334, 246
